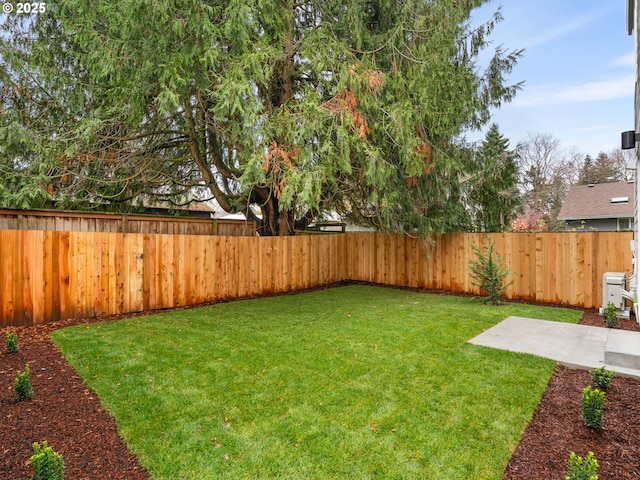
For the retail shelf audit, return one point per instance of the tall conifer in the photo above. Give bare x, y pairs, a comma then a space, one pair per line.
292, 108
494, 196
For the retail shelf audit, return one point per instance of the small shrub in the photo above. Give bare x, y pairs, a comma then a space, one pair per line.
46, 464
488, 273
601, 377
582, 469
610, 315
12, 342
592, 406
23, 385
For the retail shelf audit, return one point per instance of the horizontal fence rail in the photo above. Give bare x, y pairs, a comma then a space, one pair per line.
53, 275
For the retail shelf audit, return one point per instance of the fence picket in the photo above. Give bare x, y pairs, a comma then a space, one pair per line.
52, 275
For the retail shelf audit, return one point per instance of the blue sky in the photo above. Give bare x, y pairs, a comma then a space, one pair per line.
578, 68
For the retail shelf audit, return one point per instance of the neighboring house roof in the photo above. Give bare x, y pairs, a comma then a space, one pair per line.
602, 200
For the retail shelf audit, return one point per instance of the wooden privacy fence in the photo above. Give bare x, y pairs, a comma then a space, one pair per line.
57, 275
51, 275
58, 220
561, 268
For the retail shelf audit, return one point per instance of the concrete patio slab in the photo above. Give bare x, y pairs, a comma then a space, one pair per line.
576, 346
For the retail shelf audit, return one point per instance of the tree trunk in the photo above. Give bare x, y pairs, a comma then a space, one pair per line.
274, 222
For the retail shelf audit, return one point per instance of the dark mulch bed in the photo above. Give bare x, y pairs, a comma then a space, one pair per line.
64, 412
69, 416
557, 428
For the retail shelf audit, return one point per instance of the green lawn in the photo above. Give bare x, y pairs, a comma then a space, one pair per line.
355, 382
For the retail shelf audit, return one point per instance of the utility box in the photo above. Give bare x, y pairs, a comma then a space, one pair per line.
613, 285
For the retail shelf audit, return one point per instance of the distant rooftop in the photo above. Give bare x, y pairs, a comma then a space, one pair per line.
602, 200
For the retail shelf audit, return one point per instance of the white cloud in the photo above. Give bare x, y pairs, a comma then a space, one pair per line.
566, 26
586, 92
628, 60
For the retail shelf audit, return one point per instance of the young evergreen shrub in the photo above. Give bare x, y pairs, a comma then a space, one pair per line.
46, 464
12, 342
601, 377
582, 469
610, 315
23, 385
488, 273
592, 406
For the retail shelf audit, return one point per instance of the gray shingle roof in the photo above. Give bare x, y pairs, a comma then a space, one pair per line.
594, 201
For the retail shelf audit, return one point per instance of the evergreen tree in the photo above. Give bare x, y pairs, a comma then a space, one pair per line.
494, 196
292, 107
603, 169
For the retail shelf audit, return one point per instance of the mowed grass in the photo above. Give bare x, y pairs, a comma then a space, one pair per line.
354, 382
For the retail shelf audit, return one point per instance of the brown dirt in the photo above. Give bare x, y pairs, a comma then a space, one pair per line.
69, 416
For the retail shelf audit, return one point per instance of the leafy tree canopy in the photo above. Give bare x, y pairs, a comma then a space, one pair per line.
294, 108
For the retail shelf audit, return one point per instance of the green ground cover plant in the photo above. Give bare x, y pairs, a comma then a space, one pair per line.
351, 382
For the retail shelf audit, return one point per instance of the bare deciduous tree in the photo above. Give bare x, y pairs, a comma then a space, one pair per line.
546, 172
625, 162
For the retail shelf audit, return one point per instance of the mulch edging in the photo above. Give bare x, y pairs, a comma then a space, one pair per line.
64, 412
557, 429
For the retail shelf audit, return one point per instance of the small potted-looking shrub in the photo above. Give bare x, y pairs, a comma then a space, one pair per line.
610, 315
23, 385
592, 406
601, 377
12, 342
46, 464
582, 469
